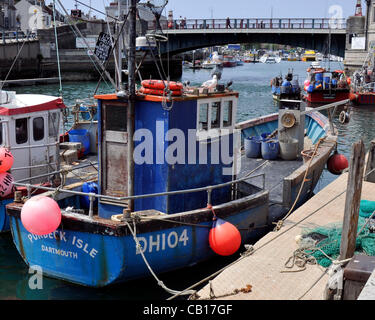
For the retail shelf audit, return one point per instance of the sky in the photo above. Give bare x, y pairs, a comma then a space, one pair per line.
220, 9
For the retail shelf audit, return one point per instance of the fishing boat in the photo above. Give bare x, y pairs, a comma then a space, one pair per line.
324, 86
211, 64
267, 58
292, 57
27, 133
286, 89
363, 84
229, 62
309, 55
196, 65
164, 186
31, 132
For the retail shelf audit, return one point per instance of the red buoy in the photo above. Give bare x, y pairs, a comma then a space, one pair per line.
337, 163
224, 238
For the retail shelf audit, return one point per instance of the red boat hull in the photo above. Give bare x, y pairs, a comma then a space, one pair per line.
324, 96
229, 64
365, 98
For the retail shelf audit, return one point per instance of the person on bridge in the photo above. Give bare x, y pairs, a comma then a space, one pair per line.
228, 23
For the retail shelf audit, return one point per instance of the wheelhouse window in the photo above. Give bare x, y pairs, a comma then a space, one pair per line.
21, 131
1, 133
116, 118
215, 115
203, 116
227, 113
38, 129
53, 124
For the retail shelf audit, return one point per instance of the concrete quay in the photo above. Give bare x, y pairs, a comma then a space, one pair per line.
264, 270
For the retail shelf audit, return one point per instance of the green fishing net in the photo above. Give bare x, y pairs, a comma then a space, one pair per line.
321, 242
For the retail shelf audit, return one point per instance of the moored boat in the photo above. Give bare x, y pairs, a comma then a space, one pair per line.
229, 62
171, 169
270, 59
95, 246
29, 127
324, 86
286, 89
309, 55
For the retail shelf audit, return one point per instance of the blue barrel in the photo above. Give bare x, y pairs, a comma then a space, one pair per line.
334, 83
253, 147
319, 76
270, 149
88, 187
327, 79
263, 136
81, 135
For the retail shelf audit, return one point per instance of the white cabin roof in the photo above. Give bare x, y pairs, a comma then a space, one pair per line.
12, 103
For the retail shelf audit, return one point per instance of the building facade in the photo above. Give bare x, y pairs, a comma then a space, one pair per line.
7, 15
32, 16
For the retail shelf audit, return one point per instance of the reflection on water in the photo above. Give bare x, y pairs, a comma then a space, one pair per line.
252, 81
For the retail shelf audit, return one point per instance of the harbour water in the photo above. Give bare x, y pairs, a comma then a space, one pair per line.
252, 81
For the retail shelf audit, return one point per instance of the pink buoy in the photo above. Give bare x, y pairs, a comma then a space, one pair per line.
41, 215
6, 160
6, 184
306, 83
224, 238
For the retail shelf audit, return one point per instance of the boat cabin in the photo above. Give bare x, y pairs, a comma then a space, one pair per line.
179, 145
30, 128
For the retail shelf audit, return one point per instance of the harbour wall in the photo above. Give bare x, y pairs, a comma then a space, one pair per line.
38, 58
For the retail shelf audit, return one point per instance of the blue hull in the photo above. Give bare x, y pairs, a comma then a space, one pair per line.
94, 259
4, 219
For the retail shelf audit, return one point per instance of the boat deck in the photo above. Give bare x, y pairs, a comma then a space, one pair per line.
264, 269
275, 171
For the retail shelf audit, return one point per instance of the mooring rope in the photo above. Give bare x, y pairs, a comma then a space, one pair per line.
280, 223
159, 282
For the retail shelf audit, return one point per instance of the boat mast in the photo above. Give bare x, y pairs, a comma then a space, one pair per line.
119, 49
132, 95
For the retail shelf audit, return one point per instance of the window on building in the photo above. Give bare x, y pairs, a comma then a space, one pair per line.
21, 131
203, 116
227, 113
215, 115
38, 129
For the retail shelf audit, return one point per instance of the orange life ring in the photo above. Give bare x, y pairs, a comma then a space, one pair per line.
161, 85
156, 92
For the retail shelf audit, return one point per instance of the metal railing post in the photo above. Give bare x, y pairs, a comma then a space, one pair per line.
91, 210
209, 193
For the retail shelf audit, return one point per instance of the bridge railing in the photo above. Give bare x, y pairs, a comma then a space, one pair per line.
16, 36
299, 23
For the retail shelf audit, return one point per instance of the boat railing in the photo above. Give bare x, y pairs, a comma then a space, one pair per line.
368, 87
93, 196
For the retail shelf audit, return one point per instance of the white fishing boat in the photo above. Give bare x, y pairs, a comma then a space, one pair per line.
270, 59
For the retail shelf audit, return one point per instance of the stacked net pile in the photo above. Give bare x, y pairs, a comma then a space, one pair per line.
323, 243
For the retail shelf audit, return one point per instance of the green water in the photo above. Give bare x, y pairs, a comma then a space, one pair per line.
252, 81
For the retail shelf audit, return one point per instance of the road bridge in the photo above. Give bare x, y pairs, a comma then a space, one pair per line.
185, 35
